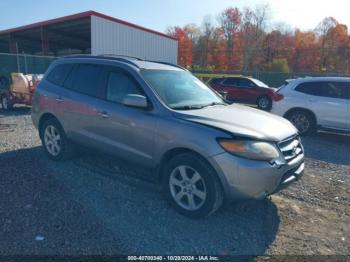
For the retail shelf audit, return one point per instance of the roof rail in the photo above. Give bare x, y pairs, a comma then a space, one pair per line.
120, 59
166, 63
126, 56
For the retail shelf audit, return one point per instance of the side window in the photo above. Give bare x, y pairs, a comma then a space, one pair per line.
119, 85
311, 88
59, 74
345, 89
246, 83
215, 81
333, 89
231, 82
85, 79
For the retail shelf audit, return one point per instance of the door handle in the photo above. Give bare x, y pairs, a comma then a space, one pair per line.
103, 114
59, 99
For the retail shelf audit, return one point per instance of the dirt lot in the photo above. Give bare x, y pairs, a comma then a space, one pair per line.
90, 205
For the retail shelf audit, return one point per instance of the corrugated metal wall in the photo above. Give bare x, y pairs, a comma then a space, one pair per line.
108, 37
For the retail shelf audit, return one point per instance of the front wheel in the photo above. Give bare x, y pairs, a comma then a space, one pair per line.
191, 186
6, 103
264, 103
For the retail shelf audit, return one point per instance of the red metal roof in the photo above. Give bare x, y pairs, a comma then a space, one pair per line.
83, 15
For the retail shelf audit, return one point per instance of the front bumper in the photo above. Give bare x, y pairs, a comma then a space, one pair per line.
250, 179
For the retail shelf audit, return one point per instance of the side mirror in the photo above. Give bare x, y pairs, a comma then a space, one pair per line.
133, 100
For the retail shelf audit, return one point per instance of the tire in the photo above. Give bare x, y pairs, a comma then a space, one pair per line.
55, 142
264, 103
303, 121
188, 176
6, 103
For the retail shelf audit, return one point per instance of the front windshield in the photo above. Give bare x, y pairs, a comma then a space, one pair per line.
180, 89
259, 83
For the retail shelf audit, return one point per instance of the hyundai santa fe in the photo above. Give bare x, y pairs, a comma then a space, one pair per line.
162, 118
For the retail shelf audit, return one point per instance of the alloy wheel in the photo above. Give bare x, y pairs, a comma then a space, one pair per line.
263, 102
52, 140
187, 188
301, 122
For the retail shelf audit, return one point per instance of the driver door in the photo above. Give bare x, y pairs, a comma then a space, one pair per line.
127, 132
248, 90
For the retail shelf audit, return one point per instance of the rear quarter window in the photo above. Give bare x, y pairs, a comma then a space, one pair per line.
59, 74
345, 89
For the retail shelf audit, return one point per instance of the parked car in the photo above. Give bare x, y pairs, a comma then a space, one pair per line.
161, 117
244, 89
313, 103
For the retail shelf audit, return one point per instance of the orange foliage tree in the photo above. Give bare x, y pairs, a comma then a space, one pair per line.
240, 40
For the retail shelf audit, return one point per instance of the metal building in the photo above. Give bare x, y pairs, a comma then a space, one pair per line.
89, 32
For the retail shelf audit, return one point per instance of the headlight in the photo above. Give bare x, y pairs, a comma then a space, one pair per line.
251, 149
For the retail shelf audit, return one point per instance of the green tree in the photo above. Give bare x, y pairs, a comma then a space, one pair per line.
280, 65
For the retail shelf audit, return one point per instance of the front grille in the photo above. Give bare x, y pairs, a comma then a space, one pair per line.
291, 148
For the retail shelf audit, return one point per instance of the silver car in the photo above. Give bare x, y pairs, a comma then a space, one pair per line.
312, 103
159, 116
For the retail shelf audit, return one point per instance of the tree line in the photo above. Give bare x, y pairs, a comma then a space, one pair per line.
243, 40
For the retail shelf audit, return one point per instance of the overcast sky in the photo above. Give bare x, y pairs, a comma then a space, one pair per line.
159, 14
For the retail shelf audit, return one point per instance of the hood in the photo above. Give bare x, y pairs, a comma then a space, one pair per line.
242, 120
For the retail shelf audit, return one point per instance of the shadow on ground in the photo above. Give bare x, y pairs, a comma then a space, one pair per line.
80, 210
15, 111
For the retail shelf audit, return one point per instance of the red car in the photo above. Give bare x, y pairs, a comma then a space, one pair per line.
246, 90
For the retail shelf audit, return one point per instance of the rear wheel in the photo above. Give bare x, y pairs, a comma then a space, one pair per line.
55, 142
303, 121
6, 103
191, 186
264, 103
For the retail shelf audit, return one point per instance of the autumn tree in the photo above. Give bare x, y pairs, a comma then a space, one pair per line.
230, 21
203, 50
322, 30
306, 56
184, 56
253, 32
243, 40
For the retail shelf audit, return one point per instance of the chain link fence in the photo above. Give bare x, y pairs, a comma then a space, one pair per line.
32, 64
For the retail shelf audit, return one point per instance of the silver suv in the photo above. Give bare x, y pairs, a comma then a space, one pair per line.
312, 103
162, 118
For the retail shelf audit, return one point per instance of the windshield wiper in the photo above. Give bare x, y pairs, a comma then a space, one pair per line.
187, 107
190, 107
214, 104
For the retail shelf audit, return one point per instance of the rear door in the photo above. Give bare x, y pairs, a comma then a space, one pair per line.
85, 86
54, 96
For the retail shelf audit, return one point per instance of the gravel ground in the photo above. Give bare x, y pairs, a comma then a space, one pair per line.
95, 205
